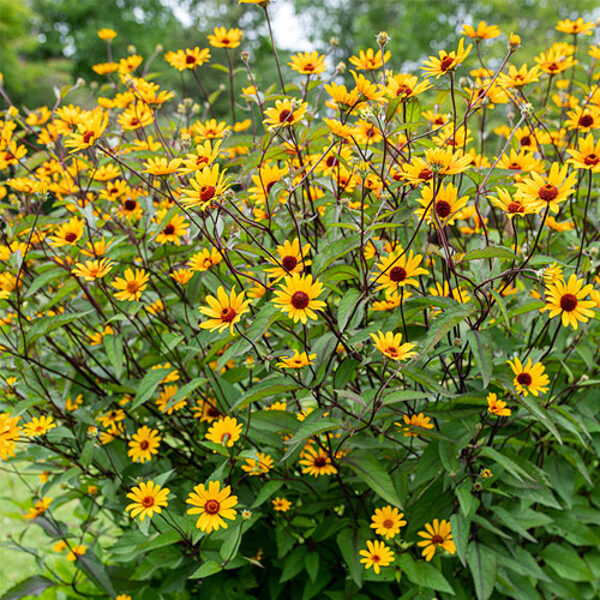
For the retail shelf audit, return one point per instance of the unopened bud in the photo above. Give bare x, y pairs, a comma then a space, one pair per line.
383, 38
527, 110
80, 82
158, 49
245, 55
131, 49
334, 41
340, 68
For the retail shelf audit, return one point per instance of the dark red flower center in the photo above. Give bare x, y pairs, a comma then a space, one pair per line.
446, 63
190, 59
130, 204
132, 287
375, 558
397, 274
524, 379
403, 89
269, 186
144, 445
212, 507
548, 192
515, 207
70, 237
286, 116
135, 121
586, 120
515, 166
388, 523
425, 174
319, 461
300, 300
289, 262
87, 136
526, 140
591, 159
169, 229
148, 501
228, 314
437, 539
443, 208
568, 302
206, 193
211, 411
331, 161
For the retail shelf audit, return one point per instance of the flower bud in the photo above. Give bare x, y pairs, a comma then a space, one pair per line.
245, 56
340, 68
514, 42
383, 38
158, 49
334, 41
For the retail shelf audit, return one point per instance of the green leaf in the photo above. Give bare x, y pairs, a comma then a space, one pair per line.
460, 533
450, 318
185, 391
312, 425
482, 563
481, 347
346, 307
266, 491
44, 279
404, 396
334, 251
347, 542
276, 386
148, 386
210, 567
511, 466
311, 562
489, 252
566, 562
423, 574
373, 473
90, 564
541, 415
32, 586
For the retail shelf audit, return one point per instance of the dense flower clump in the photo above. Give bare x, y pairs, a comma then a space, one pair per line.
333, 338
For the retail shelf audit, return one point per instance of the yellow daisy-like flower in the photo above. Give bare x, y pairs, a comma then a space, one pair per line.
584, 119
567, 299
517, 78
549, 191
369, 60
206, 411
281, 504
316, 462
297, 297
529, 378
188, 58
224, 311
225, 431
164, 400
446, 61
376, 555
395, 271
161, 166
577, 27
208, 186
482, 32
391, 345
143, 444
258, 466
174, 229
225, 38
67, 234
445, 207
204, 260
297, 360
131, 285
437, 535
10, 431
148, 498
88, 131
292, 259
308, 63
93, 269
444, 291
286, 112
497, 407
415, 420
38, 426
587, 154
512, 206
107, 34
213, 504
387, 521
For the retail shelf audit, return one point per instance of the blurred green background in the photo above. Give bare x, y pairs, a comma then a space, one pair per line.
50, 43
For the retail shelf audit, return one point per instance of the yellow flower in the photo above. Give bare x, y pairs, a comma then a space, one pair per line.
529, 378
483, 31
205, 155
67, 234
297, 297
387, 521
213, 504
444, 209
292, 259
286, 112
161, 165
396, 271
38, 426
415, 420
224, 311
203, 260
174, 229
143, 444
445, 291
568, 300
579, 26
447, 61
370, 60
135, 117
549, 191
587, 155
308, 63
258, 466
317, 462
281, 504
376, 555
436, 534
188, 58
206, 411
182, 276
497, 407
297, 360
225, 38
88, 131
93, 269
226, 431
148, 498
107, 34
131, 285
208, 186
40, 507
391, 345
583, 119
512, 207
76, 551
164, 400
